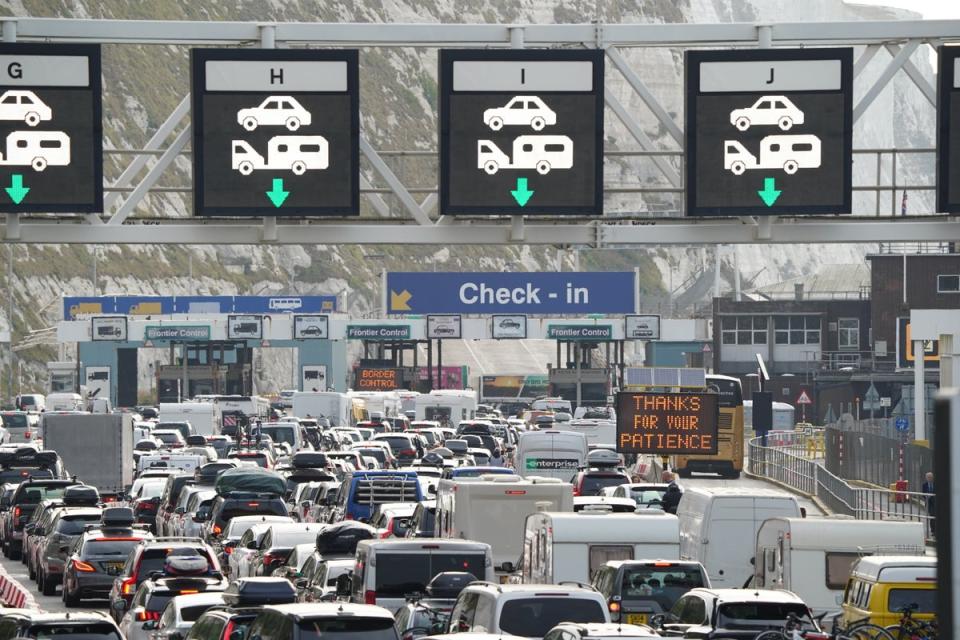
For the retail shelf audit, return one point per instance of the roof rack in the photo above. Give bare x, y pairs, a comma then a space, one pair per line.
892, 550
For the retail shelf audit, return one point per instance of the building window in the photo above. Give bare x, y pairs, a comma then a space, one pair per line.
948, 284
796, 329
743, 330
848, 333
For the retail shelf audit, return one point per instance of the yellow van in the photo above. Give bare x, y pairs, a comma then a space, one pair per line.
880, 586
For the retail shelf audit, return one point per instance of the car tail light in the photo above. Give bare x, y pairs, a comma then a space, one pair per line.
347, 517
186, 592
127, 586
253, 504
408, 452
389, 528
228, 629
84, 567
217, 530
144, 616
16, 512
370, 597
269, 558
26, 434
228, 550
614, 607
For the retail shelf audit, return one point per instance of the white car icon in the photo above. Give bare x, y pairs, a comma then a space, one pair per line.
275, 111
768, 110
522, 111
24, 105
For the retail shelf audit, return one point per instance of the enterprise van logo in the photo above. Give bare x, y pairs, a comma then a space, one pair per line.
580, 332
534, 464
378, 332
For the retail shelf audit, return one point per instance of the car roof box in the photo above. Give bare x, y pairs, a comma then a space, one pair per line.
603, 458
117, 517
252, 592
341, 539
309, 460
196, 441
81, 495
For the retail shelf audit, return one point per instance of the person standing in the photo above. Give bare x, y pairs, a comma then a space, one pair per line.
928, 487
671, 499
496, 460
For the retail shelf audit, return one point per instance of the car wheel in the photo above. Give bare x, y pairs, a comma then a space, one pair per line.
491, 167
6, 550
790, 166
249, 123
496, 123
31, 572
71, 599
738, 168
39, 164
538, 123
742, 123
785, 123
293, 123
49, 587
14, 553
299, 168
543, 167
245, 168
32, 119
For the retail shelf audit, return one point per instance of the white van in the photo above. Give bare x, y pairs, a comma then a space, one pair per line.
387, 571
551, 404
494, 508
326, 404
570, 547
32, 402
186, 463
204, 417
812, 557
551, 453
596, 431
718, 528
65, 402
288, 432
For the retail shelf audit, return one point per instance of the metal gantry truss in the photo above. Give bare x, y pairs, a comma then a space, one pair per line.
900, 39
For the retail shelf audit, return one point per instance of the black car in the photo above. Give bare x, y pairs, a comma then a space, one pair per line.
25, 499
243, 503
28, 463
89, 625
66, 526
98, 555
317, 620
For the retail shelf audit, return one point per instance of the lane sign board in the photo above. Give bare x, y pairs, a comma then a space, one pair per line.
642, 327
509, 327
580, 332
521, 132
769, 132
667, 423
948, 131
108, 328
370, 379
378, 332
443, 326
245, 327
902, 424
275, 132
51, 132
176, 333
310, 327
510, 292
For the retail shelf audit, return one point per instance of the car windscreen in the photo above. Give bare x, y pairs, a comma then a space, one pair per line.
280, 433
151, 489
374, 452
352, 628
158, 601
397, 443
399, 574
738, 615
182, 427
167, 438
646, 496
192, 614
661, 582
73, 631
14, 420
118, 548
39, 493
594, 482
74, 525
534, 617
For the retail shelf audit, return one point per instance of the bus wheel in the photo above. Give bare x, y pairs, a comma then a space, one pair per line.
491, 167
299, 168
790, 166
738, 167
742, 123
249, 123
496, 123
32, 119
538, 123
38, 164
245, 168
543, 167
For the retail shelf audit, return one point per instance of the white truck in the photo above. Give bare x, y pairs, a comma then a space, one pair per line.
494, 509
332, 405
204, 417
97, 448
550, 452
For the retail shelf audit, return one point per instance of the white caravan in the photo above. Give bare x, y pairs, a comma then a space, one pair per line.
494, 508
551, 453
812, 557
386, 403
204, 417
446, 406
718, 528
326, 404
595, 431
570, 547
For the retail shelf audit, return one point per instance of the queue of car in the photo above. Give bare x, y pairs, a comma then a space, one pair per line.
289, 533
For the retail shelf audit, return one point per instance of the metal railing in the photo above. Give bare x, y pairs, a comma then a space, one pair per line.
785, 461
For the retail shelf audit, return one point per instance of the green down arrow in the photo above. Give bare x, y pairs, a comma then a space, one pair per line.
277, 195
16, 190
521, 194
770, 193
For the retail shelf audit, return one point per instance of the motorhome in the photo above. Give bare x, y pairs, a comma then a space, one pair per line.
387, 403
446, 406
551, 404
570, 547
327, 404
551, 453
718, 528
204, 417
812, 557
493, 509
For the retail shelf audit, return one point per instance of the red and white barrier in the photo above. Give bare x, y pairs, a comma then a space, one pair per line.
13, 594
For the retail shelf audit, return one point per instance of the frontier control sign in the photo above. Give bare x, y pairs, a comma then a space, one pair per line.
667, 423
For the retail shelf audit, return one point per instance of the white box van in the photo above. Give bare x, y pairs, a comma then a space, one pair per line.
812, 557
32, 402
494, 508
204, 417
718, 528
551, 453
570, 547
326, 404
387, 571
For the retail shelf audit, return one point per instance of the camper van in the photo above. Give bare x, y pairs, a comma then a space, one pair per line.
551, 404
551, 453
718, 528
790, 153
386, 403
812, 557
493, 509
294, 153
37, 149
327, 404
596, 431
446, 406
570, 547
542, 153
204, 417
880, 586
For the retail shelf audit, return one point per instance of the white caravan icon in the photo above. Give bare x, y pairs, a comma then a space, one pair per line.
275, 111
542, 153
789, 153
522, 111
24, 105
293, 153
37, 149
768, 110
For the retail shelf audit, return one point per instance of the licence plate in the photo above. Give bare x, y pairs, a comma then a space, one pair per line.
636, 618
113, 568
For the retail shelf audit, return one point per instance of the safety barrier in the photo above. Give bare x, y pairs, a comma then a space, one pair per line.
15, 595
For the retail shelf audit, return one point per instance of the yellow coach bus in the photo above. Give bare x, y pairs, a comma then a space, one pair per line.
728, 461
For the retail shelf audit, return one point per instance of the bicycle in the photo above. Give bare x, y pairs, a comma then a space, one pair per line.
909, 628
793, 630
